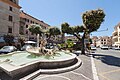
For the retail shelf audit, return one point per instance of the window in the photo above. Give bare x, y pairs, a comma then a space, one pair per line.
10, 18
104, 42
11, 0
9, 29
10, 8
32, 34
26, 32
25, 19
26, 26
28, 20
31, 21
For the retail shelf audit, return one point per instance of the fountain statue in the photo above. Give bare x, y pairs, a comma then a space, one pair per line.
41, 50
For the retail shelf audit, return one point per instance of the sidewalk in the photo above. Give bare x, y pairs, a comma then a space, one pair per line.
84, 72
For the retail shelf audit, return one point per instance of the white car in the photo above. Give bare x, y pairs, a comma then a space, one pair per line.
115, 48
93, 48
105, 47
25, 47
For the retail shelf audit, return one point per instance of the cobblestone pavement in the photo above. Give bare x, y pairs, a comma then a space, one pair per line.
84, 72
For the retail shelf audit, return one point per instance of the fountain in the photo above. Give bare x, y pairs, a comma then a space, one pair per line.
38, 58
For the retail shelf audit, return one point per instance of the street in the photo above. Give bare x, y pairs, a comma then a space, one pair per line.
107, 63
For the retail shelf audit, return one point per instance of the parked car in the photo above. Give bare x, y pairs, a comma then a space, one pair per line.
7, 49
105, 47
115, 48
25, 47
93, 48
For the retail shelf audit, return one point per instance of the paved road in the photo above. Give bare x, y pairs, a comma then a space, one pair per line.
107, 63
82, 73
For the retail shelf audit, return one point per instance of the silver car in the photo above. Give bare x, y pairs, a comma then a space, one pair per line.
7, 49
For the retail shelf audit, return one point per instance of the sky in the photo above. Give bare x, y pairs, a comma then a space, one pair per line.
56, 12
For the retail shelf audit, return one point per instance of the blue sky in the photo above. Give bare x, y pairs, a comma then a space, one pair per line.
56, 12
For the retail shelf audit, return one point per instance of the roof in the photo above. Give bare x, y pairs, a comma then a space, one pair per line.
34, 17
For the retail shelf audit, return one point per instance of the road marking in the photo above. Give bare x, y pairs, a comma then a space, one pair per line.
55, 76
81, 75
110, 71
104, 77
95, 75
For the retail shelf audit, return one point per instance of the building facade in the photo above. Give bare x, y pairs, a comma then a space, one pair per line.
101, 40
104, 40
25, 21
9, 18
116, 36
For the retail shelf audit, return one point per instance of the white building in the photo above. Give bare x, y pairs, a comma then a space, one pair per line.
116, 36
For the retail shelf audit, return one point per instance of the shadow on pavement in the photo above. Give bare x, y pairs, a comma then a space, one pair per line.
108, 59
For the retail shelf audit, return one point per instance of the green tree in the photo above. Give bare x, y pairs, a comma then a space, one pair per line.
92, 21
69, 43
72, 30
35, 29
9, 39
54, 31
64, 28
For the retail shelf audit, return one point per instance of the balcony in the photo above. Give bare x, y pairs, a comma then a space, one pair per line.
115, 32
115, 37
22, 21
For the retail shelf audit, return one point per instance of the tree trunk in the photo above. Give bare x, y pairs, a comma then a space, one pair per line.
63, 37
83, 46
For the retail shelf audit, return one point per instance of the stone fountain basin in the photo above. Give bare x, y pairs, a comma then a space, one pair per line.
15, 68
49, 64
